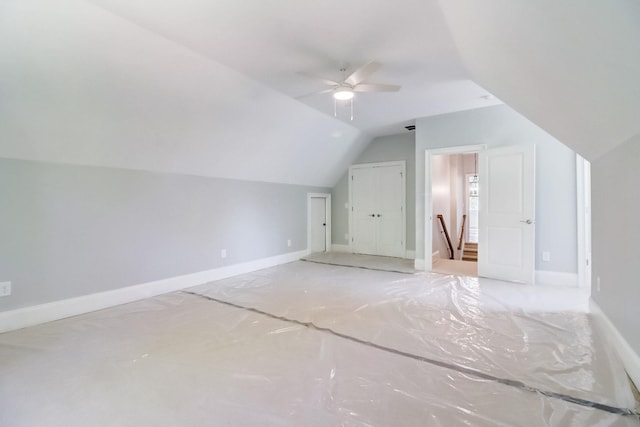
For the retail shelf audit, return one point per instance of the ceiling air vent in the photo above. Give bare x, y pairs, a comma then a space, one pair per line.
410, 127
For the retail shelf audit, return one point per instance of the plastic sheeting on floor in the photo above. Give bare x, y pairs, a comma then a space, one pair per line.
307, 344
371, 262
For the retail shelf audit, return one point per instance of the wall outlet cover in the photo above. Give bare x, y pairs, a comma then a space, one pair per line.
5, 289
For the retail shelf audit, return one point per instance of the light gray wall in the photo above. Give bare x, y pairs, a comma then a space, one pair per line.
382, 149
555, 174
615, 202
67, 231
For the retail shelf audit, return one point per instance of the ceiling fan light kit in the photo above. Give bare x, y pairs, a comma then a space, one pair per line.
345, 90
343, 93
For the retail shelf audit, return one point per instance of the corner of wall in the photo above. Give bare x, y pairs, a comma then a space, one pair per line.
630, 359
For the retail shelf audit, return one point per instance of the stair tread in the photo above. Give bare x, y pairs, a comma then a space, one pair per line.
470, 252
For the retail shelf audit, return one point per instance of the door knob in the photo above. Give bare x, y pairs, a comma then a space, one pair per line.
379, 215
528, 221
373, 215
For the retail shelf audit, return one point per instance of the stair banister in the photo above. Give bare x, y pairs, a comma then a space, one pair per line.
446, 235
464, 221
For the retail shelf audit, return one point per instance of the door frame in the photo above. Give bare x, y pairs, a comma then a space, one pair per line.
403, 168
428, 199
583, 222
327, 208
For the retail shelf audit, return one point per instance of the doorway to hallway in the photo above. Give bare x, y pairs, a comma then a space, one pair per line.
505, 178
455, 192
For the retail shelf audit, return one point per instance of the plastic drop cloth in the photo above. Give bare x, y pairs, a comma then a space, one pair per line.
182, 359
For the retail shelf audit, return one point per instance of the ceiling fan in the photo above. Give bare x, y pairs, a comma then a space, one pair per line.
354, 82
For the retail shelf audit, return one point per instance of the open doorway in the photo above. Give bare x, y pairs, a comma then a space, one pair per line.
455, 221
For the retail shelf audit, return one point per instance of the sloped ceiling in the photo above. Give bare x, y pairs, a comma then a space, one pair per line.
81, 85
571, 67
210, 87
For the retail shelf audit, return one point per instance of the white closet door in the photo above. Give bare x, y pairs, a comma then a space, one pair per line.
506, 247
363, 213
377, 217
389, 210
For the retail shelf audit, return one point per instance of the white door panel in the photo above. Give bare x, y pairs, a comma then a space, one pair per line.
363, 203
389, 210
505, 174
507, 214
318, 224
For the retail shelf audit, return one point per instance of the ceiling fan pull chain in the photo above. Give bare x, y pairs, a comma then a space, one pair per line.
351, 109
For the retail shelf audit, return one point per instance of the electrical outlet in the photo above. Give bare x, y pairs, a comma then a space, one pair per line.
5, 289
346, 236
546, 256
223, 253
346, 205
289, 243
598, 283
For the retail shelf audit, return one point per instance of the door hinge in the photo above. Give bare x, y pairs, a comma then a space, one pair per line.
351, 177
352, 239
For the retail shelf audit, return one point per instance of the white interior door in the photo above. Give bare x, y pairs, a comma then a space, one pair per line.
389, 211
506, 247
318, 224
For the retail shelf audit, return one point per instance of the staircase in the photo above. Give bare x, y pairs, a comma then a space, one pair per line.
470, 252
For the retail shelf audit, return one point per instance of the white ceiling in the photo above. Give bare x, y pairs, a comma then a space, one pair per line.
210, 87
272, 41
571, 66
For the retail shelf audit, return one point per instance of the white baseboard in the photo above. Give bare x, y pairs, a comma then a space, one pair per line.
419, 264
33, 315
630, 359
340, 248
555, 278
346, 249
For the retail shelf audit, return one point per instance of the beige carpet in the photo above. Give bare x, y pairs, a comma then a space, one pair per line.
457, 267
371, 262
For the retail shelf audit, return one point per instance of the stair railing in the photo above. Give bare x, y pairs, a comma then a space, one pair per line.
464, 221
445, 233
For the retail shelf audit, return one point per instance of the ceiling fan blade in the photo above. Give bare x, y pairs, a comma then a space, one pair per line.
376, 88
322, 79
362, 73
314, 93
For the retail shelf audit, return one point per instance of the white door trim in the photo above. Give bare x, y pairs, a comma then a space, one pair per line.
403, 166
327, 197
428, 201
583, 222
